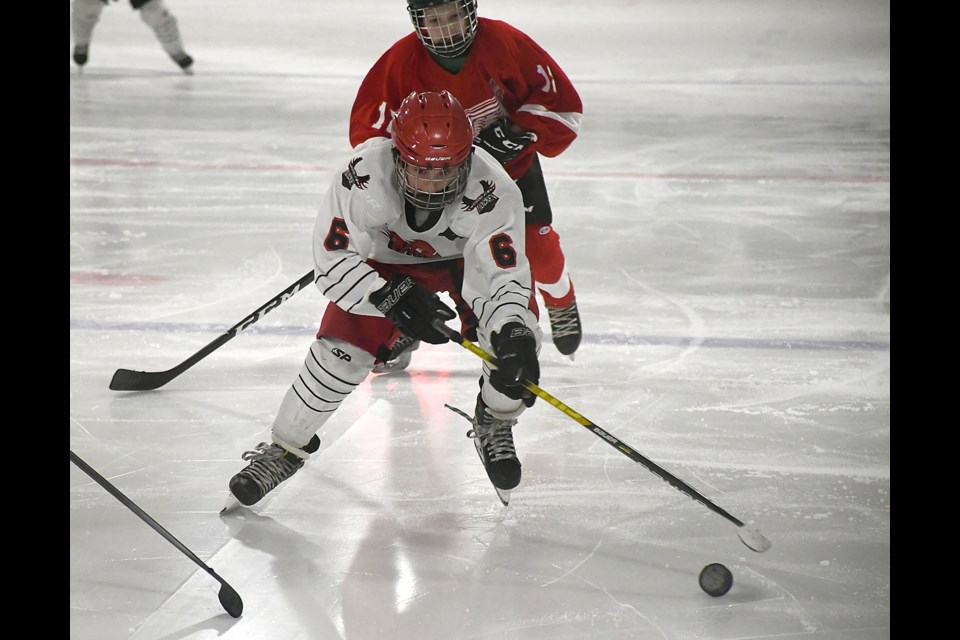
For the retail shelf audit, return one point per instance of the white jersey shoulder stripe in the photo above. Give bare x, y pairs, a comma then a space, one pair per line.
570, 119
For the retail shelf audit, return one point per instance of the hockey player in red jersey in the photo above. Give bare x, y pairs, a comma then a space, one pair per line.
521, 103
407, 217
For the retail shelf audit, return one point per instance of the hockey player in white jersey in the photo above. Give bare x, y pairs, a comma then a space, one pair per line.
154, 13
407, 217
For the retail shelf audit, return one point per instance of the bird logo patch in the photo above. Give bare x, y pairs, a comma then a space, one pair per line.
483, 203
350, 177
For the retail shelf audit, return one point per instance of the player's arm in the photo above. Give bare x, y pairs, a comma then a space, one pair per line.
503, 308
504, 140
373, 106
340, 244
552, 108
497, 281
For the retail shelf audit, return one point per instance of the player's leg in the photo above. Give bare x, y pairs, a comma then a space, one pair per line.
86, 15
337, 362
496, 414
548, 264
164, 25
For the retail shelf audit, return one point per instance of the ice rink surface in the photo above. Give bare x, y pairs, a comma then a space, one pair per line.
725, 214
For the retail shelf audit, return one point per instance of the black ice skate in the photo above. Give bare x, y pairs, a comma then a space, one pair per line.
270, 464
565, 327
400, 355
81, 54
183, 61
493, 439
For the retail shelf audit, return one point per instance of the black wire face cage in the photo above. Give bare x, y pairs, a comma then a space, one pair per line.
450, 183
446, 29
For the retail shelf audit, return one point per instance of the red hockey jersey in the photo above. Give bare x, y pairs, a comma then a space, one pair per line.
506, 73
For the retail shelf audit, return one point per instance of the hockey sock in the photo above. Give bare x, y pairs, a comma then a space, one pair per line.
548, 265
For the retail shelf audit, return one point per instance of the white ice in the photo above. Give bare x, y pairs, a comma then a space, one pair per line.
726, 217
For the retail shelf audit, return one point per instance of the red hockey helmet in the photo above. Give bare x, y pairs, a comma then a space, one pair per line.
433, 148
445, 27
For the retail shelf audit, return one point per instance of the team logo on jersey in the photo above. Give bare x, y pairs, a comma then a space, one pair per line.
350, 177
483, 114
483, 203
450, 235
418, 248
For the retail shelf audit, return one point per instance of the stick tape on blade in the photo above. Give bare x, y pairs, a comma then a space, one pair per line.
752, 537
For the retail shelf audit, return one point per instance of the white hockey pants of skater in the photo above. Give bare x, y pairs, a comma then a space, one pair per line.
330, 372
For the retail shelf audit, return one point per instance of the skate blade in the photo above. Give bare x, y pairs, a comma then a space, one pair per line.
231, 506
503, 494
389, 366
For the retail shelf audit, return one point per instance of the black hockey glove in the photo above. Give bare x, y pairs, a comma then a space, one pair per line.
412, 308
516, 352
501, 142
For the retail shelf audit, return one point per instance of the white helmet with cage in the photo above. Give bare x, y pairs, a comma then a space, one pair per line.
445, 27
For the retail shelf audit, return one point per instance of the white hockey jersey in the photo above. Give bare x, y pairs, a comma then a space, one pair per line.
364, 216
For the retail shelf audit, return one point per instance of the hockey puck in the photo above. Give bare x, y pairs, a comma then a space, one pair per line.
716, 579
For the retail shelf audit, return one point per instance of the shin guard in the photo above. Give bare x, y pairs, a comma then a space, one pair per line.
548, 265
331, 371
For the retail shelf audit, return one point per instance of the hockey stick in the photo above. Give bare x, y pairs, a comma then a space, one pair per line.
750, 536
229, 598
129, 380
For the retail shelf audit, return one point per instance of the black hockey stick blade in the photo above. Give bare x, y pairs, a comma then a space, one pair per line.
130, 380
230, 599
